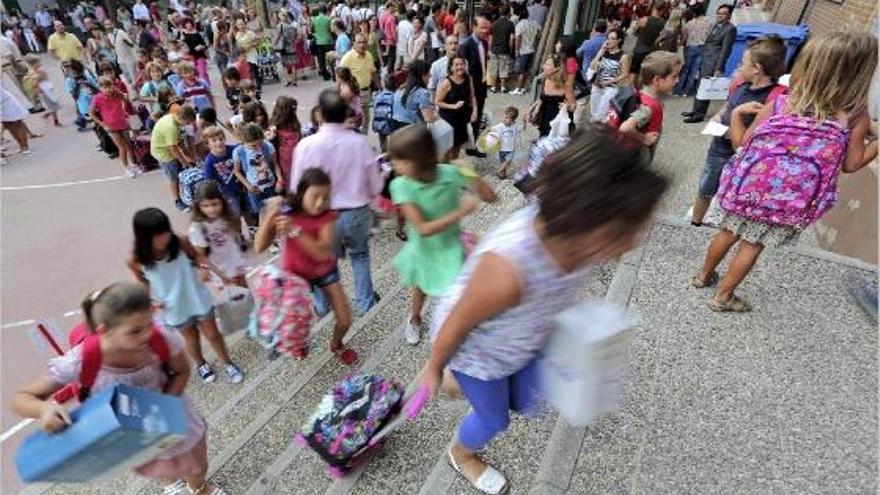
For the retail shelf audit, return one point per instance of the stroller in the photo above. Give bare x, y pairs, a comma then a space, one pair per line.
355, 416
267, 61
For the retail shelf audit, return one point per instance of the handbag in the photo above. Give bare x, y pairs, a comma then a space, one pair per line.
713, 88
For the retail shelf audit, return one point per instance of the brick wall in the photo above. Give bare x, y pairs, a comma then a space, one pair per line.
825, 16
788, 11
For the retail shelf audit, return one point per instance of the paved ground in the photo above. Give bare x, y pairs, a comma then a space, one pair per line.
780, 401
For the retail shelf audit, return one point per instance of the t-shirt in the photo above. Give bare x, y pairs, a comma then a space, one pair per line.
295, 259
343, 44
538, 13
388, 25
220, 237
649, 114
196, 93
527, 31
742, 94
502, 30
221, 169
113, 110
321, 25
410, 113
150, 89
438, 72
257, 165
166, 133
66, 48
361, 67
508, 135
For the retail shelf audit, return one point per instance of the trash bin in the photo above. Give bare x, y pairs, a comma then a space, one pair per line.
794, 37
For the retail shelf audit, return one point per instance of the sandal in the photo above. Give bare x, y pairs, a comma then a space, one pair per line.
699, 283
179, 487
490, 481
201, 490
401, 235
735, 304
346, 355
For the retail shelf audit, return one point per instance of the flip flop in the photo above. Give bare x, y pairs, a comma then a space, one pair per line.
346, 355
697, 282
490, 481
735, 304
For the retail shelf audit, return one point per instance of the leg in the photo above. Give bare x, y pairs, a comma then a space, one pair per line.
718, 248
342, 311
418, 303
208, 328
745, 258
701, 206
709, 181
192, 344
524, 389
490, 401
122, 144
595, 103
19, 132
356, 226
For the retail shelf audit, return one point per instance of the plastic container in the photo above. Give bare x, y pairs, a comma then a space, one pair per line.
794, 37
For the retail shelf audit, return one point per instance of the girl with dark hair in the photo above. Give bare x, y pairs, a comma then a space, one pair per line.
350, 91
176, 282
215, 232
288, 132
412, 101
305, 225
197, 46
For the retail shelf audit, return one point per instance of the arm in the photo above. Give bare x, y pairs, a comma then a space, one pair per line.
178, 153
267, 231
178, 368
474, 107
239, 174
279, 179
726, 46
33, 401
858, 155
624, 69
442, 91
95, 116
137, 270
428, 228
738, 132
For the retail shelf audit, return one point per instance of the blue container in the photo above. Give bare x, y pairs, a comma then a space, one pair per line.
794, 37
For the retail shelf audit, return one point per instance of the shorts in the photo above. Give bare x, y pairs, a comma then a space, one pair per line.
192, 321
505, 156
235, 204
171, 169
499, 65
711, 176
255, 201
522, 63
330, 278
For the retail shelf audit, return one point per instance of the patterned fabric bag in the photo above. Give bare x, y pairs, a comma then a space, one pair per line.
786, 173
282, 315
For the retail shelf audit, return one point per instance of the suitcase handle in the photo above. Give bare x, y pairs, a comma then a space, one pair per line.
417, 402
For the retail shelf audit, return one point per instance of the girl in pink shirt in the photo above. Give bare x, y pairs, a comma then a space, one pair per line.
287, 133
110, 110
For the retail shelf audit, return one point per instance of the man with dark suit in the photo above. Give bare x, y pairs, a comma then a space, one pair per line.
475, 49
716, 50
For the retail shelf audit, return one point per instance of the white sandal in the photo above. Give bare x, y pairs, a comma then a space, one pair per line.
179, 487
490, 481
201, 490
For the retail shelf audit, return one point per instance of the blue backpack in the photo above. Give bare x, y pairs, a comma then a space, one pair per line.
383, 109
188, 179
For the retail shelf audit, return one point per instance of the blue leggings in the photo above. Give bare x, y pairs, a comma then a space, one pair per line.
492, 402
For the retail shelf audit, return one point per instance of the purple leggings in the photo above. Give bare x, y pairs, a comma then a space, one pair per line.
492, 401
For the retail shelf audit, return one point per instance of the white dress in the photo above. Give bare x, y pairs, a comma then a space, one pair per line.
11, 110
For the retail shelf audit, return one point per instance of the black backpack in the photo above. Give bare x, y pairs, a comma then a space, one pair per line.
624, 103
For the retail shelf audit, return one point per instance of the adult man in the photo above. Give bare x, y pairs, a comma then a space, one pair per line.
388, 26
124, 48
716, 49
64, 46
343, 45
404, 31
440, 67
432, 29
475, 49
347, 158
140, 11
502, 47
323, 40
360, 62
525, 39
44, 20
590, 47
538, 12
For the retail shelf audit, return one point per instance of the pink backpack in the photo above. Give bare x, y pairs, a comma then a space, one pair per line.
282, 316
786, 172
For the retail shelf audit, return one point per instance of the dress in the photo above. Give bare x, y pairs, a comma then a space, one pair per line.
285, 142
458, 119
176, 285
186, 458
431, 263
549, 110
10, 108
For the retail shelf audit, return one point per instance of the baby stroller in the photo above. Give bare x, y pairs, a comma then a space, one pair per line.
355, 416
267, 61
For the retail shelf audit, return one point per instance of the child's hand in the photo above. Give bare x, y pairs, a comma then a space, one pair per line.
282, 225
468, 204
54, 417
279, 186
750, 107
431, 379
651, 138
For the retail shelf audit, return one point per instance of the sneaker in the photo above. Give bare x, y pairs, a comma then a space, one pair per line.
505, 90
131, 172
516, 91
234, 373
206, 373
412, 333
180, 205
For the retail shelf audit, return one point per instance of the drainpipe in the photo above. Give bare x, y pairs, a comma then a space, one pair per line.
571, 15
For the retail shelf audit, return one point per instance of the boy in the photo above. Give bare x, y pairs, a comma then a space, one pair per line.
383, 105
196, 91
232, 78
659, 74
256, 167
220, 167
165, 146
508, 134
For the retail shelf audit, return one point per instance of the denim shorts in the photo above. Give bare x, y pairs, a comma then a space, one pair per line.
192, 321
171, 169
324, 280
522, 63
715, 162
255, 201
505, 156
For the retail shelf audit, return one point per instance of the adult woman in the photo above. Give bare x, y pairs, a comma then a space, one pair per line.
371, 30
223, 47
99, 48
351, 93
245, 42
554, 93
460, 28
418, 40
285, 37
301, 45
12, 115
457, 103
412, 102
198, 47
611, 66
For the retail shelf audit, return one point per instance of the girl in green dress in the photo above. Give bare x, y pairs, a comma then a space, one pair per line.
431, 198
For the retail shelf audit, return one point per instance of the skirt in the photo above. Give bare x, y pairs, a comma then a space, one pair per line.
759, 233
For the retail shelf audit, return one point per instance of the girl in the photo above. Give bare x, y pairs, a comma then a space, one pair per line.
611, 69
110, 110
351, 93
167, 264
214, 232
412, 101
82, 86
39, 81
122, 317
315, 121
149, 93
287, 133
305, 223
222, 48
430, 199
197, 47
490, 326
284, 41
457, 102
762, 63
829, 92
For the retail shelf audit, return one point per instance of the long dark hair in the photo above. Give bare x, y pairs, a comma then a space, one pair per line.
418, 69
210, 190
147, 224
311, 177
284, 114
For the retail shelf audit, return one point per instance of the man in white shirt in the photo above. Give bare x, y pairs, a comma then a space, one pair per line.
440, 67
44, 20
404, 31
140, 11
525, 39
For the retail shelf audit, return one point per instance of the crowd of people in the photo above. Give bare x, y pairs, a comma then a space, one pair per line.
418, 76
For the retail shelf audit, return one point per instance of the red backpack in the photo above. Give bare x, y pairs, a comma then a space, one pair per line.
91, 359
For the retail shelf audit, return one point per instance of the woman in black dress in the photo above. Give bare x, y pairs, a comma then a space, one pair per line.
197, 47
457, 103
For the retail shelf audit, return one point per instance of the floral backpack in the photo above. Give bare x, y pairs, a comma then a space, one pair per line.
786, 173
282, 315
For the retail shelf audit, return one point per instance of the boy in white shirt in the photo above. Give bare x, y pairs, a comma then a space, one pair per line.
508, 135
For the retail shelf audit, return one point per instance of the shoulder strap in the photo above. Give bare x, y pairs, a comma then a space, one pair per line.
160, 345
778, 103
91, 364
777, 91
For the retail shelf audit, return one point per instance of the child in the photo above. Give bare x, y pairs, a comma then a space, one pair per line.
215, 232
82, 86
121, 316
430, 199
287, 133
306, 225
219, 166
168, 264
110, 110
196, 91
784, 178
659, 74
256, 166
508, 133
110, 70
383, 107
351, 93
166, 147
149, 93
315, 121
762, 63
492, 323
232, 79
39, 82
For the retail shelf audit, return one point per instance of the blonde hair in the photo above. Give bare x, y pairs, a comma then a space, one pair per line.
833, 74
213, 131
186, 68
659, 64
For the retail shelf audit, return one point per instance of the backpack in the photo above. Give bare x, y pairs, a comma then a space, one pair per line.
189, 178
91, 360
383, 110
282, 315
349, 415
786, 173
622, 106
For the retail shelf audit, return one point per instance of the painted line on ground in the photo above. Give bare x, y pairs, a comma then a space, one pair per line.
71, 183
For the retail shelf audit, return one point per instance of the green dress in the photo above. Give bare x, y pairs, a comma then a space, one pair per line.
431, 263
